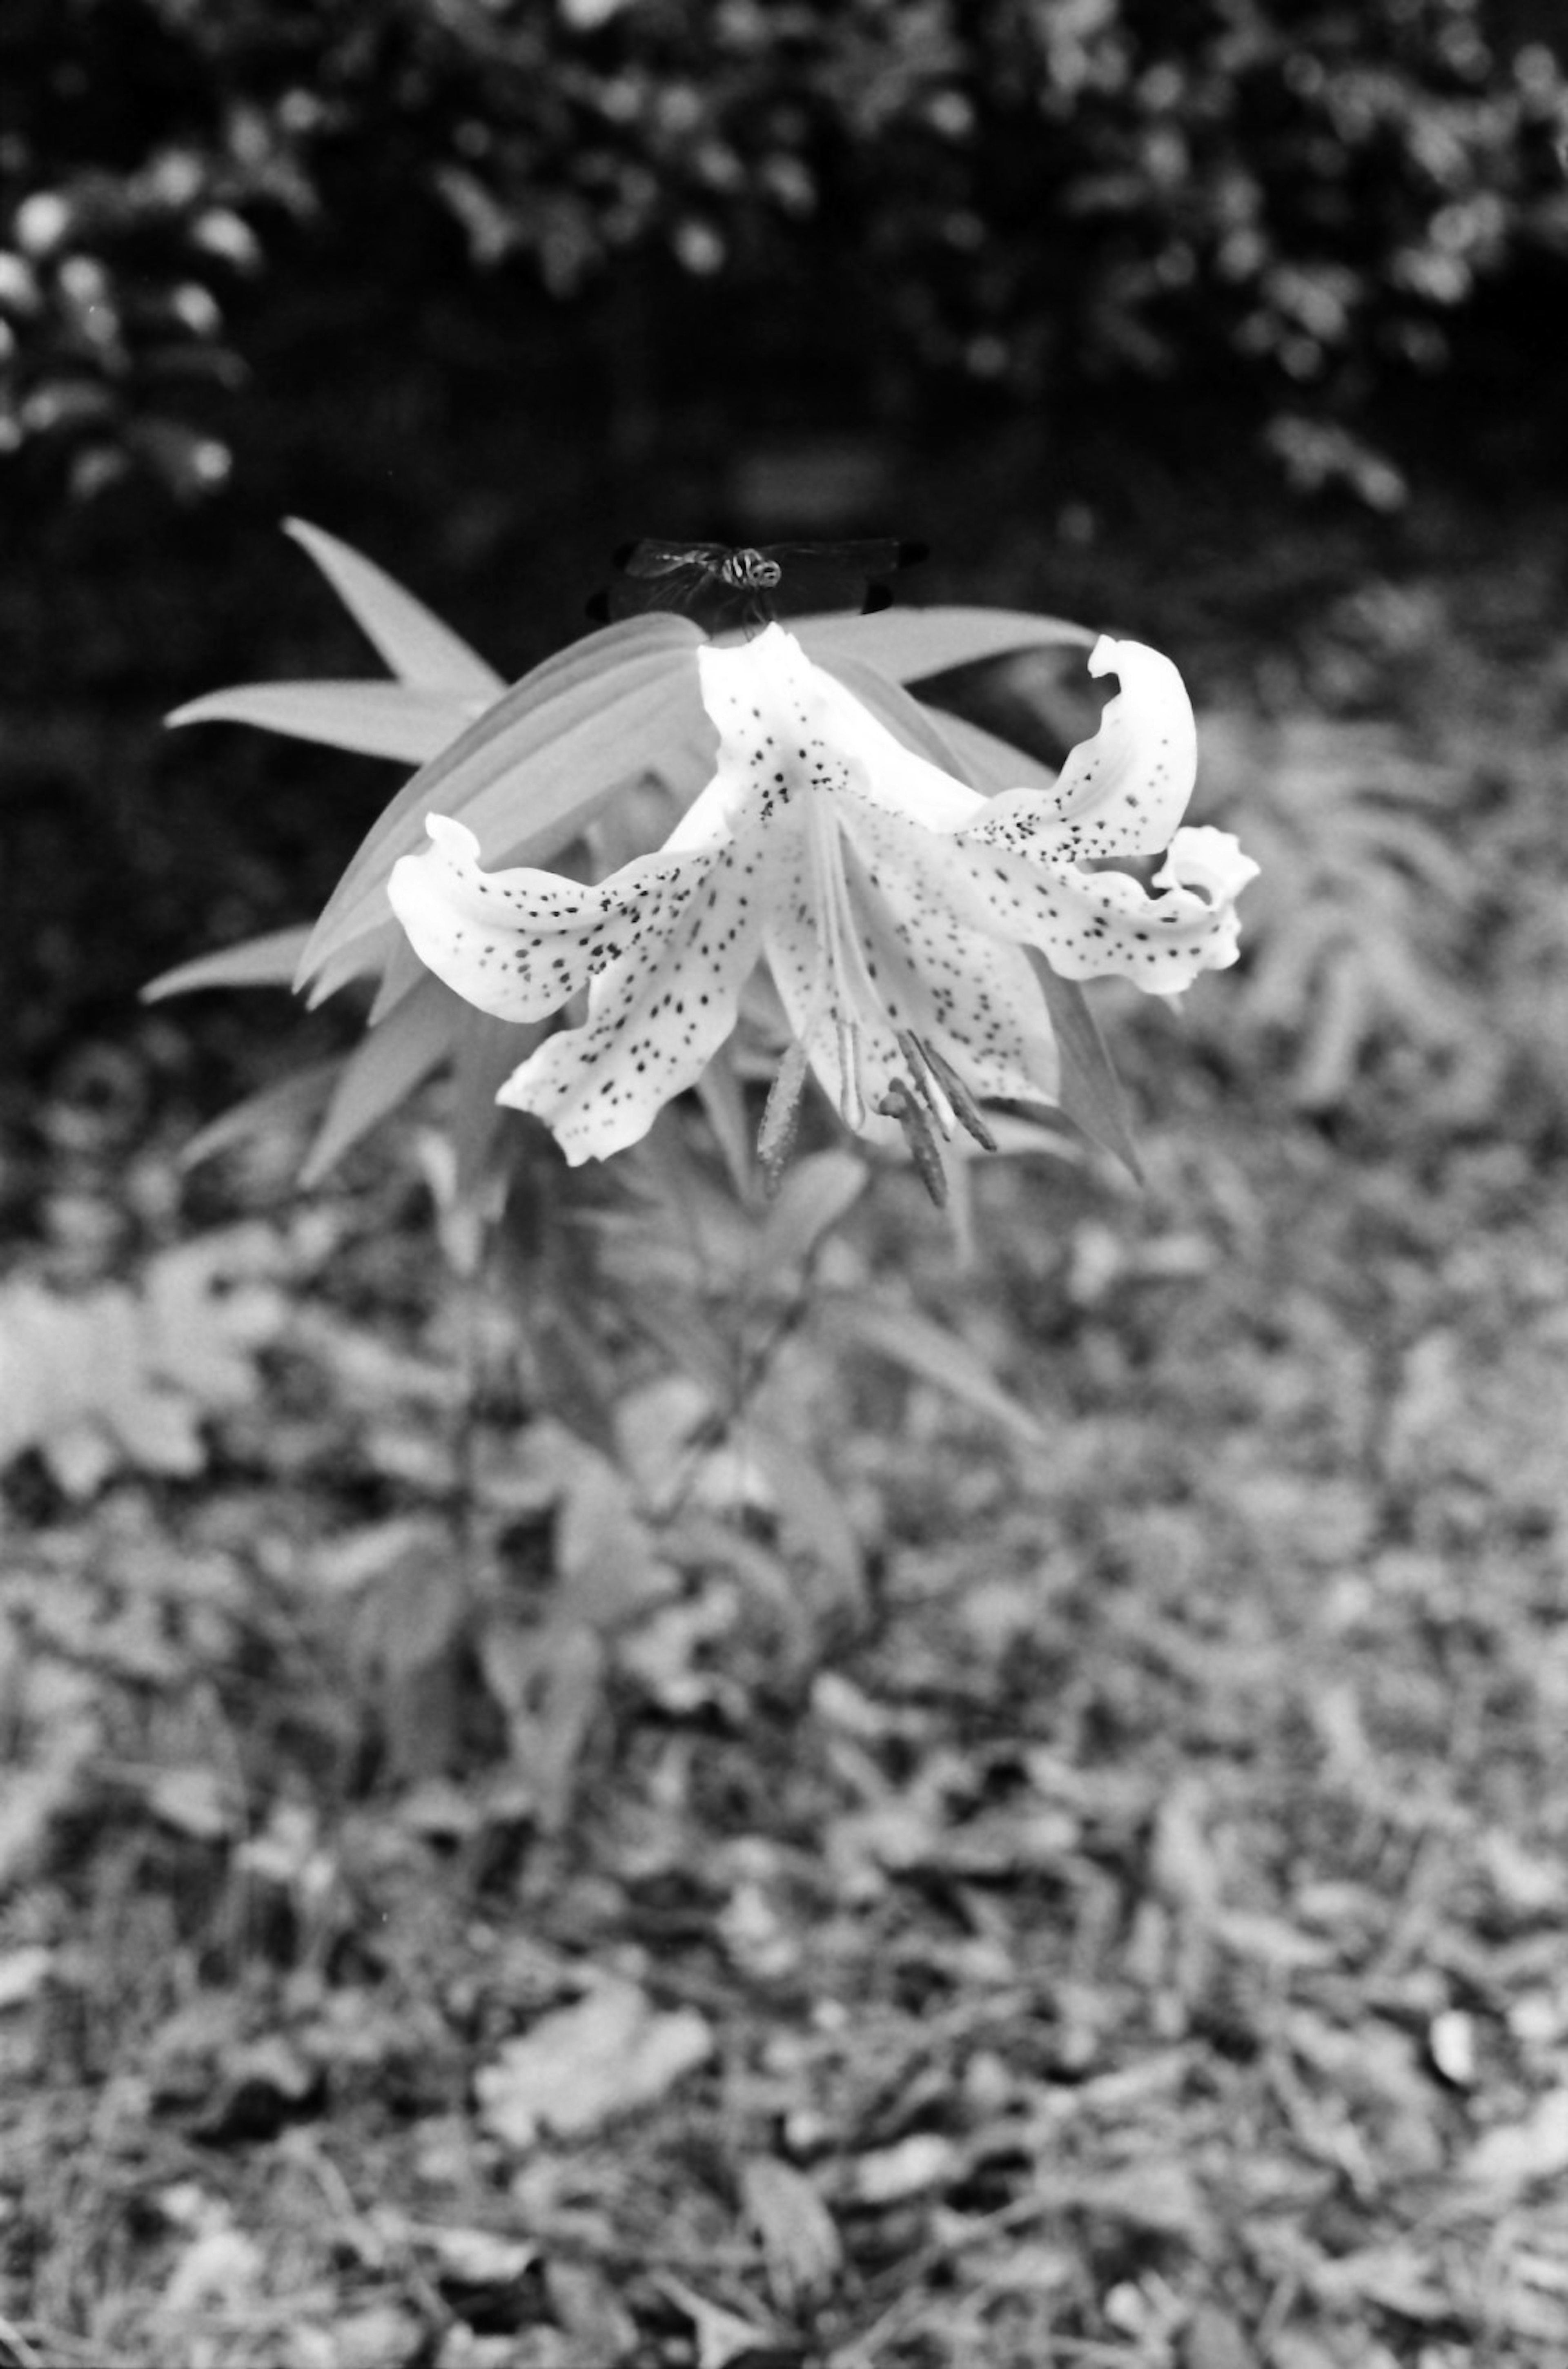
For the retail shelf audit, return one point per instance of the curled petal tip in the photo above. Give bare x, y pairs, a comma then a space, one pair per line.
456, 837
1208, 860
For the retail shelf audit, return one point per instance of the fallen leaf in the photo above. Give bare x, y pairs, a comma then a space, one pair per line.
1394, 2278
1516, 2155
587, 2307
461, 2348
549, 1683
1214, 2340
1158, 2196
262, 2085
22, 1974
34, 1798
197, 1801
1293, 2350
379, 2336
914, 2167
1181, 1865
1254, 1933
480, 2258
1527, 1884
1450, 2038
722, 2336
800, 2242
220, 2266
584, 2065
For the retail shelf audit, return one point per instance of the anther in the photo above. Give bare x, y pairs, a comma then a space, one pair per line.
900, 1103
781, 1116
965, 1109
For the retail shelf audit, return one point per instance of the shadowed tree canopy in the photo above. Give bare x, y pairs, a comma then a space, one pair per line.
1303, 199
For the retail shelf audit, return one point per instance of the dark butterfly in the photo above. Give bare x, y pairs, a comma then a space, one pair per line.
721, 584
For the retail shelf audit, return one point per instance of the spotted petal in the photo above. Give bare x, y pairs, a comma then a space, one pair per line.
659, 1012
1104, 924
895, 907
1123, 791
520, 944
927, 968
786, 727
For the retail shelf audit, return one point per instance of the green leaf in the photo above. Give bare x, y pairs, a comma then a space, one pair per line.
383, 1071
918, 726
816, 1194
268, 961
810, 1509
488, 1050
548, 1270
374, 720
364, 956
930, 1352
289, 1104
414, 644
608, 1568
723, 1098
990, 764
680, 1327
1090, 1094
965, 749
400, 976
617, 702
909, 644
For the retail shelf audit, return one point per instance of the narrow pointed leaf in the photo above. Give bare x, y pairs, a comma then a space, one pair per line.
681, 1329
918, 726
931, 1354
724, 1100
965, 749
488, 1050
808, 1507
815, 1195
401, 976
364, 955
529, 767
384, 1070
909, 644
414, 644
1090, 1092
289, 1104
268, 961
990, 764
374, 720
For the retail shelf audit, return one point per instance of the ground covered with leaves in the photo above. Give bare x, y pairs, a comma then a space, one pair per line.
1092, 1888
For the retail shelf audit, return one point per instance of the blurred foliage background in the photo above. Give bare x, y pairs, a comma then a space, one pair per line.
1181, 317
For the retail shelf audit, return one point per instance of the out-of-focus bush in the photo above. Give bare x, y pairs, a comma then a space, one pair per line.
1023, 193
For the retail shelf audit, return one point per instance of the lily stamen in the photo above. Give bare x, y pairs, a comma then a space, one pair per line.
781, 1113
900, 1103
965, 1109
923, 1079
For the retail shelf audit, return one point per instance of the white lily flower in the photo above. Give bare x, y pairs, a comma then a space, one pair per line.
893, 905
